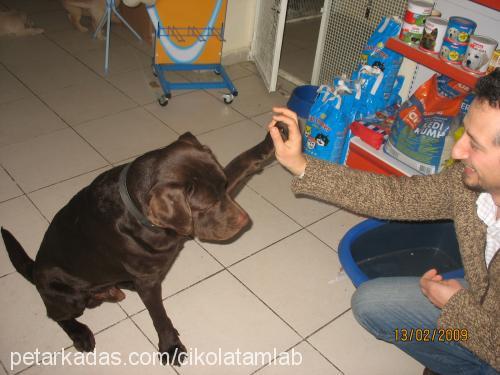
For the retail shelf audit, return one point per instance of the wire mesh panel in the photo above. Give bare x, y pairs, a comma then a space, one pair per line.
303, 8
265, 37
350, 25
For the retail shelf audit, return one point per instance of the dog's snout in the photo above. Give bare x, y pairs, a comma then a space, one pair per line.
242, 219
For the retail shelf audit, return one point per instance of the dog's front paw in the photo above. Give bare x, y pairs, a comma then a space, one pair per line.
175, 355
83, 340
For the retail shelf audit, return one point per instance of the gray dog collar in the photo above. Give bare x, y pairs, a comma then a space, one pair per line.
129, 204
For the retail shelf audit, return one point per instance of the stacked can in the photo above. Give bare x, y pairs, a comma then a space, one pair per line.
494, 62
414, 20
434, 32
479, 53
456, 39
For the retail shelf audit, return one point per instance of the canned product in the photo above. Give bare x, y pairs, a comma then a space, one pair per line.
414, 19
452, 53
434, 32
460, 29
479, 53
495, 62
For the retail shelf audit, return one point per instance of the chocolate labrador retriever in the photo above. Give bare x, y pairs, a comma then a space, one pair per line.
126, 228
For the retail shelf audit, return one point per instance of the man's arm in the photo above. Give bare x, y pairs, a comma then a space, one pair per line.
397, 198
383, 197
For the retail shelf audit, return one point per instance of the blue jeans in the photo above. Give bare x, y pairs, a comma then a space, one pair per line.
385, 304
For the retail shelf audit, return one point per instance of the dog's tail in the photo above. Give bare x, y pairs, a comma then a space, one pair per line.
20, 260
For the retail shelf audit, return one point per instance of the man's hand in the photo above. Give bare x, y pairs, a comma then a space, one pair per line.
437, 290
288, 153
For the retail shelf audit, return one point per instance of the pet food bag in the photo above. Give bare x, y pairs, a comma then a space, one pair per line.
376, 54
370, 79
419, 135
325, 128
351, 109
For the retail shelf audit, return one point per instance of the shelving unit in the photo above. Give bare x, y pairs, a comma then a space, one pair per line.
493, 4
433, 62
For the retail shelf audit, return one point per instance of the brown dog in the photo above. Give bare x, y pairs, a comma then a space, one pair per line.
93, 8
127, 227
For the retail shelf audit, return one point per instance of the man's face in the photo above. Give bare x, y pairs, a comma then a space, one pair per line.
477, 148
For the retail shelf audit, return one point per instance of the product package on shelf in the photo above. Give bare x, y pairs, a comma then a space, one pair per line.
374, 86
422, 133
376, 54
325, 128
374, 130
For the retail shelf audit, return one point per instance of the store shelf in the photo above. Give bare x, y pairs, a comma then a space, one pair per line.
493, 4
364, 157
433, 62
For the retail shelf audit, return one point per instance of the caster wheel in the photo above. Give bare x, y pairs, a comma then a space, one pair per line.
217, 71
163, 100
228, 98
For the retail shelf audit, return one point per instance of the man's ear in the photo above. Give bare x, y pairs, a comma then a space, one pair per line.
168, 208
189, 138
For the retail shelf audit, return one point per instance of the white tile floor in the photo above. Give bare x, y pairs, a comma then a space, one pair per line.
275, 289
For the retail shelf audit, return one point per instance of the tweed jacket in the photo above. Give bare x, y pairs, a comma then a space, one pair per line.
420, 198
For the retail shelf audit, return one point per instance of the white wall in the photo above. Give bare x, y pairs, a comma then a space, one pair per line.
240, 17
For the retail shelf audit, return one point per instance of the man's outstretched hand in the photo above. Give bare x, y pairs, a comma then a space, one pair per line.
288, 153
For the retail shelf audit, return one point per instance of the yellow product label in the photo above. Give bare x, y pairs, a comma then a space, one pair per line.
453, 55
462, 37
458, 133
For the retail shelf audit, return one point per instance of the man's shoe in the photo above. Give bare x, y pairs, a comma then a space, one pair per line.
429, 372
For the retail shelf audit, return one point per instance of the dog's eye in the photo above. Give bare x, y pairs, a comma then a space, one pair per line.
191, 188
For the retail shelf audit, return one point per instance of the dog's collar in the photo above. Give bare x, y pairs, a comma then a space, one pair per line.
129, 204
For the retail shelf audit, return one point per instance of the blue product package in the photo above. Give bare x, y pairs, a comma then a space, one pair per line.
395, 98
325, 128
376, 54
371, 81
351, 108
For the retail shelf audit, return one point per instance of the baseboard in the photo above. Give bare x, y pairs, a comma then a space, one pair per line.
235, 56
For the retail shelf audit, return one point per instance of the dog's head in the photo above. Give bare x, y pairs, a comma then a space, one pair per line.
188, 193
475, 59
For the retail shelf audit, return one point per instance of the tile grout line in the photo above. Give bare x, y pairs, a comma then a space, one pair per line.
57, 115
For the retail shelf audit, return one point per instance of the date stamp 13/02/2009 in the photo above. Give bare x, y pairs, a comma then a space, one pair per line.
431, 334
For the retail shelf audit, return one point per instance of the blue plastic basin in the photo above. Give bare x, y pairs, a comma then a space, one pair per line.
375, 248
302, 99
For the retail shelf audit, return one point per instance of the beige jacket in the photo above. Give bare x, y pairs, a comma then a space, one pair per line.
441, 196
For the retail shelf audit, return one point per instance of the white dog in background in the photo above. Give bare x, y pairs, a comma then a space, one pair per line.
17, 23
134, 3
93, 8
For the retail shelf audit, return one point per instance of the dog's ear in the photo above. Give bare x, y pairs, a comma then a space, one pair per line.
168, 208
189, 138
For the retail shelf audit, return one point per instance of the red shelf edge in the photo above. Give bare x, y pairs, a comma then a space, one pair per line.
493, 4
433, 62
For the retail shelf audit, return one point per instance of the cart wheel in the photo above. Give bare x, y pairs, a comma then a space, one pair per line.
228, 98
217, 71
163, 100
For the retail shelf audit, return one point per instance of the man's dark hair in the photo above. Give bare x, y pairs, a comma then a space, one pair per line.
488, 88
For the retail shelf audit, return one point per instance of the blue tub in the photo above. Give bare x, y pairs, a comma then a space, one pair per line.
375, 248
302, 99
